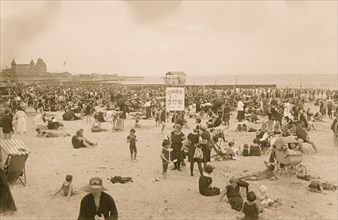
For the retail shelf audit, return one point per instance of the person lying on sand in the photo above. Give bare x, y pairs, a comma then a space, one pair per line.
317, 186
261, 175
50, 134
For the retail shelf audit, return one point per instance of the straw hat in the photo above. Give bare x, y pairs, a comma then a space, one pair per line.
95, 185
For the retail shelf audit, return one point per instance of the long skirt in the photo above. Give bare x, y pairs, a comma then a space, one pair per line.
6, 200
21, 125
148, 112
206, 152
240, 115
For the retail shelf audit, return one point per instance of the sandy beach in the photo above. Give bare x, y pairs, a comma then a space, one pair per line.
177, 197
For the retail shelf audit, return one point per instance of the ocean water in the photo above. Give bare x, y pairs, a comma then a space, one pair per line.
323, 81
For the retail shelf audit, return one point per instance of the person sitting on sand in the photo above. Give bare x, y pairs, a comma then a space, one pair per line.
317, 186
263, 136
318, 116
69, 116
303, 134
245, 152
79, 141
268, 173
50, 134
215, 122
54, 124
263, 199
277, 131
255, 148
205, 182
67, 187
244, 127
231, 151
96, 126
250, 208
234, 197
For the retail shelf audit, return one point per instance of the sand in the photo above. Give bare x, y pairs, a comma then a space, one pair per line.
51, 159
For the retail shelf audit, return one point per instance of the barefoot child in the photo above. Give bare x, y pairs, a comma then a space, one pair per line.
157, 117
163, 118
67, 187
131, 139
165, 156
137, 120
263, 199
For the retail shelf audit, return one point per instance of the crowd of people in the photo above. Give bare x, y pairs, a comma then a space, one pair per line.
280, 111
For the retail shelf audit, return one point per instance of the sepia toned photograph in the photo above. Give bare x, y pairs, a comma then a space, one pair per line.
168, 109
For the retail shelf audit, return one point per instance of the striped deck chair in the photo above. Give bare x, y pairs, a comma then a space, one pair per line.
17, 154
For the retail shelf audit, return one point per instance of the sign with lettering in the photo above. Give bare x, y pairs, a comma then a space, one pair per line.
174, 99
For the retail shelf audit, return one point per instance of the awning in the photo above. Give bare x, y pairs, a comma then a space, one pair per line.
14, 147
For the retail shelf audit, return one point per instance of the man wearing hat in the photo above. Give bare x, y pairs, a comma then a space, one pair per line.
97, 204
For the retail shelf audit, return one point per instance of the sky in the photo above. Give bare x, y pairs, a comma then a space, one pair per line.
148, 38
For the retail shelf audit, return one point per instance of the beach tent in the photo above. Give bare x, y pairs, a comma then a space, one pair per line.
14, 153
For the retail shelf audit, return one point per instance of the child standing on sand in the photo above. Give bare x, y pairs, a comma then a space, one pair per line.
157, 117
67, 187
137, 120
131, 139
165, 156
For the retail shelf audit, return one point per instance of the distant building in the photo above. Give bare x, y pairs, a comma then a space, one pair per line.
174, 78
32, 68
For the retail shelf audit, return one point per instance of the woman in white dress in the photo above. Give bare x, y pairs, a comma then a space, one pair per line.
20, 121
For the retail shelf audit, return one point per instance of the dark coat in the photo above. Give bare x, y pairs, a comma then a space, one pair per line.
107, 207
6, 200
7, 126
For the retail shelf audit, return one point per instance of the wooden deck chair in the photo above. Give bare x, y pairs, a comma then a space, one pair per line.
119, 124
16, 153
218, 150
15, 168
